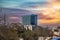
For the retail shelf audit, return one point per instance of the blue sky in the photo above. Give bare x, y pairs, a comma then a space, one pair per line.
21, 3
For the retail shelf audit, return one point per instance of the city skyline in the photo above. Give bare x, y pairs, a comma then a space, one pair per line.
48, 11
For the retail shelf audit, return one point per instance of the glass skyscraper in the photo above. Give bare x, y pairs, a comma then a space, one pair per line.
29, 19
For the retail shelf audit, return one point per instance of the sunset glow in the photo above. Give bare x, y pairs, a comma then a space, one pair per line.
48, 11
53, 14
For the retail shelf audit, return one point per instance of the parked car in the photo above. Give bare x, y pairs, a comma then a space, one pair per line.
56, 38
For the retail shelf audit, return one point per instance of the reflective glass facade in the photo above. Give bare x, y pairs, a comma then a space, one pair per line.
29, 19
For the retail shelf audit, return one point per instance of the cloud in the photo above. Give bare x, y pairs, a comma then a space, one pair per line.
14, 17
44, 17
54, 0
34, 4
41, 16
49, 18
9, 4
21, 3
15, 11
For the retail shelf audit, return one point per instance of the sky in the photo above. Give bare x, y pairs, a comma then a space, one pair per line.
20, 3
48, 11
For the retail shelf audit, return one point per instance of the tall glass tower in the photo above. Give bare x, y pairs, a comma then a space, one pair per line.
29, 19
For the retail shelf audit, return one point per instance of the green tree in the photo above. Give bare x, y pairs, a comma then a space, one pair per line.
29, 35
8, 33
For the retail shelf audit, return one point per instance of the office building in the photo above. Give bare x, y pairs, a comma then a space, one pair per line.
29, 21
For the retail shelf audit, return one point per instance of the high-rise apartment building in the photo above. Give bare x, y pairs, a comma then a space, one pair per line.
29, 21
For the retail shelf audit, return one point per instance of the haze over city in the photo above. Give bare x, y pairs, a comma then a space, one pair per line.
48, 11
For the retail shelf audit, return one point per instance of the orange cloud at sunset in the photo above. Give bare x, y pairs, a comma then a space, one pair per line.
43, 21
51, 15
50, 18
56, 5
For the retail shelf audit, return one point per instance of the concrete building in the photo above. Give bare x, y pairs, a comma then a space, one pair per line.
56, 31
29, 20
